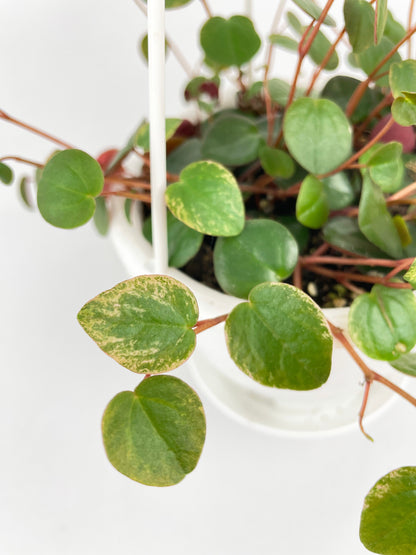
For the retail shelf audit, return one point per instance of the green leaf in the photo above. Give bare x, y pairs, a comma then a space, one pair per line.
410, 275
406, 364
375, 220
294, 22
23, 191
155, 434
232, 140
280, 338
310, 8
276, 162
299, 232
101, 216
388, 519
207, 198
312, 207
231, 42
317, 134
67, 189
144, 323
383, 323
186, 153
169, 4
339, 89
402, 77
144, 47
394, 30
344, 232
338, 190
381, 11
319, 49
403, 230
372, 56
359, 23
285, 42
264, 251
183, 242
279, 91
404, 112
141, 137
385, 165
6, 174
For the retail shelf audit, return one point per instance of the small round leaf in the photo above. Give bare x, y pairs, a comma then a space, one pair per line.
6, 174
155, 434
207, 198
312, 207
318, 134
388, 519
231, 42
69, 183
383, 323
404, 111
144, 323
280, 338
264, 251
276, 162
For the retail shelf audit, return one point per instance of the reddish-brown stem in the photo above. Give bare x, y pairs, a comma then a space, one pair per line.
315, 259
206, 8
395, 388
171, 177
352, 287
362, 87
35, 130
147, 376
340, 276
127, 194
367, 386
355, 156
326, 59
297, 276
403, 193
128, 182
404, 265
23, 160
321, 249
203, 325
374, 113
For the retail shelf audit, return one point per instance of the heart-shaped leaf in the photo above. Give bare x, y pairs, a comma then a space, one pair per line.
317, 134
276, 162
388, 519
375, 220
6, 174
207, 198
344, 232
404, 111
231, 42
155, 434
280, 338
69, 183
144, 323
310, 8
359, 23
264, 251
232, 140
312, 207
183, 242
383, 323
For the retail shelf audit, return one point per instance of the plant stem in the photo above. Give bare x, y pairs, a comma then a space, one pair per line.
203, 325
34, 130
403, 193
386, 101
206, 8
128, 182
362, 87
363, 407
326, 59
340, 276
23, 160
127, 194
314, 259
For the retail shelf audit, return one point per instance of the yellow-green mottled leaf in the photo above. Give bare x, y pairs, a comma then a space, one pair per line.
144, 323
382, 323
155, 434
207, 198
410, 275
280, 338
403, 111
69, 183
388, 519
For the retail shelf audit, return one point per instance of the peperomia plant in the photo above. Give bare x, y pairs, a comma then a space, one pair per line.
299, 197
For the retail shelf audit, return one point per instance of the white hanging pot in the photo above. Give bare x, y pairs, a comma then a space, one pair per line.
332, 408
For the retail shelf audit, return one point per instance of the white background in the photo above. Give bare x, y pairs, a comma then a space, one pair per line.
72, 68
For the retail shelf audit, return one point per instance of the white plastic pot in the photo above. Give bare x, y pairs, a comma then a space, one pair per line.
332, 408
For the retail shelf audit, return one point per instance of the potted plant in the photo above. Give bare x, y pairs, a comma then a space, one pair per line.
296, 193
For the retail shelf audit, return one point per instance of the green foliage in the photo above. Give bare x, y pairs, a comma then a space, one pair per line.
155, 434
406, 364
231, 140
142, 137
280, 338
279, 91
310, 8
359, 23
6, 174
382, 14
186, 153
410, 275
388, 519
344, 232
144, 323
183, 242
144, 47
285, 42
383, 323
276, 162
375, 220
231, 42
69, 183
319, 49
208, 199
317, 134
338, 191
101, 216
385, 165
264, 251
312, 207
369, 59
